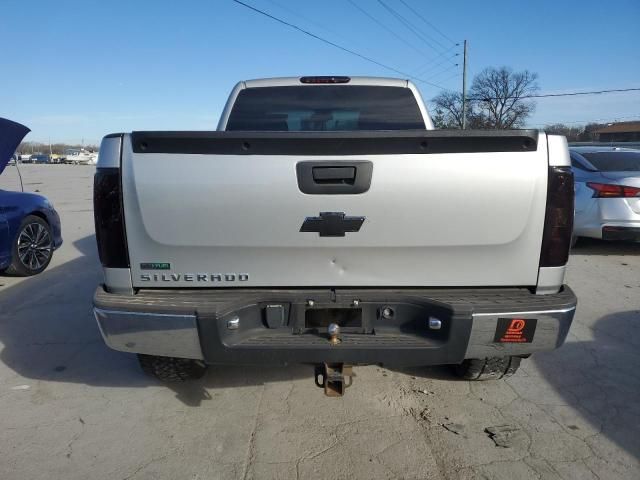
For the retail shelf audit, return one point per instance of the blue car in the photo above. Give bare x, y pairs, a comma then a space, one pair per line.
40, 158
29, 226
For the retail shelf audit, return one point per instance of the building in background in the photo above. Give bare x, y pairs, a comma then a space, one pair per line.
619, 132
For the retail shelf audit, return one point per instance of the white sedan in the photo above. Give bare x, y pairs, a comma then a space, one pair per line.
607, 183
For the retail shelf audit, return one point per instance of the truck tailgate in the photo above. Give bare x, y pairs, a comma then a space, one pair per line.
442, 209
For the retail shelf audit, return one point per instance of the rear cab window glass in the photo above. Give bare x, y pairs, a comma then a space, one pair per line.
614, 161
325, 108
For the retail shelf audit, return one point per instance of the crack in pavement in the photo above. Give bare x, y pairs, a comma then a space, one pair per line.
145, 465
251, 447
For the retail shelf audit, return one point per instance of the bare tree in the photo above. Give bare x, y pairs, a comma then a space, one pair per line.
588, 134
500, 97
59, 148
447, 111
572, 133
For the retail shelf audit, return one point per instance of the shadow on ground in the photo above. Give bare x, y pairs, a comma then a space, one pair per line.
437, 372
600, 379
49, 333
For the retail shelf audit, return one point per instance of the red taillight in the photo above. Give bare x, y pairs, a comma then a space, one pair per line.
558, 221
325, 80
606, 190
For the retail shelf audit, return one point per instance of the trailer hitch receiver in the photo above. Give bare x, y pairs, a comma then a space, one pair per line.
335, 378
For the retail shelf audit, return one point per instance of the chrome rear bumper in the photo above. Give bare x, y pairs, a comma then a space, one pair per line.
167, 335
196, 325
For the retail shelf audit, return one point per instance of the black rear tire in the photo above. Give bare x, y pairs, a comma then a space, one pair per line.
492, 368
171, 369
31, 257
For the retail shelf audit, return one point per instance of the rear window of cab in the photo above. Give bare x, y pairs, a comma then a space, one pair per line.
325, 108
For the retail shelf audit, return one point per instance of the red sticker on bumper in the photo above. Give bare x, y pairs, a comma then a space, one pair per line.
515, 330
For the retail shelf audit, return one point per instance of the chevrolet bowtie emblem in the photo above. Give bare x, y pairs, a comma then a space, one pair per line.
332, 224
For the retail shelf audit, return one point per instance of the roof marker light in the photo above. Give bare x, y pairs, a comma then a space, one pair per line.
325, 79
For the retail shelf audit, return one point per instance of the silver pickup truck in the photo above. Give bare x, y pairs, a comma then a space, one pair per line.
326, 222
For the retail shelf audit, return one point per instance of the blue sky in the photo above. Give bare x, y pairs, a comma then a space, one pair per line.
77, 70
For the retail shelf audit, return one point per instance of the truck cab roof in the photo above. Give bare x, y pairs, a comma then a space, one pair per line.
297, 81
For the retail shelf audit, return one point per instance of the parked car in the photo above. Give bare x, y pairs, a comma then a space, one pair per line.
607, 183
40, 158
326, 222
29, 225
79, 156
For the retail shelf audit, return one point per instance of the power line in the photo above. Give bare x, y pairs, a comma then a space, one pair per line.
448, 69
406, 42
411, 27
594, 92
433, 67
426, 21
429, 62
329, 42
302, 17
403, 40
569, 94
457, 74
595, 120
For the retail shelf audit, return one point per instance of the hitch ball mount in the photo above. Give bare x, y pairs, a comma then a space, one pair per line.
335, 378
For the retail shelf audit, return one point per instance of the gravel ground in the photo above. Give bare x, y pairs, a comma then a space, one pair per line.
73, 409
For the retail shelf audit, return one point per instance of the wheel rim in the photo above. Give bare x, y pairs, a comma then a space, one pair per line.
34, 246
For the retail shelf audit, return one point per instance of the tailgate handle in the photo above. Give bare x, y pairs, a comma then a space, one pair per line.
337, 177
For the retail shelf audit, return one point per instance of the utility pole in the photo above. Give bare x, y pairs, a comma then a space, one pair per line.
464, 88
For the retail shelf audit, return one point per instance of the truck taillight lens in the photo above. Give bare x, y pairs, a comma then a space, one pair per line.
605, 190
109, 218
558, 221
